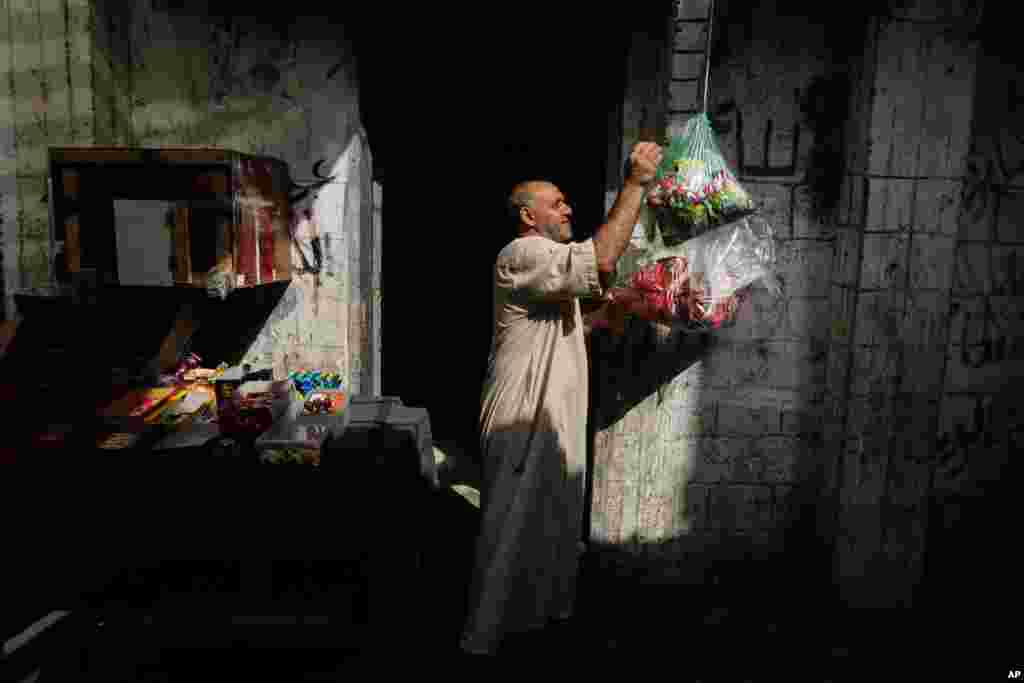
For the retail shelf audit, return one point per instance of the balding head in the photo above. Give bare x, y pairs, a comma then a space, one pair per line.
538, 207
523, 196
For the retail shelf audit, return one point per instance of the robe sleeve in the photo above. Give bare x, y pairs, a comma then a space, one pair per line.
544, 270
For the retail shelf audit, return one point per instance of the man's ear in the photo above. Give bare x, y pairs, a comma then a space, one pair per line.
526, 216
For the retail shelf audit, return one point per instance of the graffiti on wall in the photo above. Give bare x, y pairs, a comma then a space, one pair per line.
989, 337
997, 159
994, 425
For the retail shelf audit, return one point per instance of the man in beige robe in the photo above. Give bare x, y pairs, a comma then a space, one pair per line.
534, 408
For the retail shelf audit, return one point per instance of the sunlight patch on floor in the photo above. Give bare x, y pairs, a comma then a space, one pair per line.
457, 471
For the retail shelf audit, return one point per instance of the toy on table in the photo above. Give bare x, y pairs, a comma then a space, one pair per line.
308, 381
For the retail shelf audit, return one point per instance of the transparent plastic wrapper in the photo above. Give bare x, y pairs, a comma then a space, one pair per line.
695, 189
698, 285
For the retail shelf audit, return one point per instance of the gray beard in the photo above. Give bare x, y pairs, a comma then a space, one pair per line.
551, 231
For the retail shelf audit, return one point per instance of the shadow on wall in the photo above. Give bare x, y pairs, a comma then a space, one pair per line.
707, 505
630, 368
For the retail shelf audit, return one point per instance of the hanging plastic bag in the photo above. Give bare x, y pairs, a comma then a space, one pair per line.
698, 285
695, 189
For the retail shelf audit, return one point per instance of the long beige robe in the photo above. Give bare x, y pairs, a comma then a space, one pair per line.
533, 441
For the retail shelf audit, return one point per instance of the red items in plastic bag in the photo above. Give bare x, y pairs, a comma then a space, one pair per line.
699, 285
666, 292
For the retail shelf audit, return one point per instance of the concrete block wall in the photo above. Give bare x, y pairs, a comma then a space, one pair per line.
851, 398
980, 426
890, 296
45, 99
132, 74
723, 458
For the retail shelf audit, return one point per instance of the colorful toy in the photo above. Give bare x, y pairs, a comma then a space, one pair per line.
307, 381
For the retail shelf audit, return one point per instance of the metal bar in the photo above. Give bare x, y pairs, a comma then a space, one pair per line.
707, 54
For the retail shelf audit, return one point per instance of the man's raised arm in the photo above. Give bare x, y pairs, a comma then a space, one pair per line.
611, 239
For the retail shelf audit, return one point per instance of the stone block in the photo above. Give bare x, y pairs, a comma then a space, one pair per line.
898, 106
776, 201
846, 262
968, 370
692, 9
656, 518
805, 225
805, 266
839, 363
684, 96
34, 262
1008, 270
924, 372
932, 261
889, 203
876, 369
716, 458
986, 350
937, 206
972, 273
745, 420
954, 410
879, 317
740, 508
967, 321
776, 459
843, 303
687, 65
751, 365
867, 364
951, 11
858, 188
926, 321
1010, 222
717, 368
884, 261
1008, 333
805, 420
948, 85
844, 215
690, 36
785, 505
695, 507
801, 364
976, 219
807, 317
33, 219
866, 453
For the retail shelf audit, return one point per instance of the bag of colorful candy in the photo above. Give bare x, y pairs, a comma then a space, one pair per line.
698, 285
695, 190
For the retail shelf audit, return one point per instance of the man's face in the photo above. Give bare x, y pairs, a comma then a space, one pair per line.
551, 213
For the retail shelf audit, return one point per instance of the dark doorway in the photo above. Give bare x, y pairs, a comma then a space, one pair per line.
452, 130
